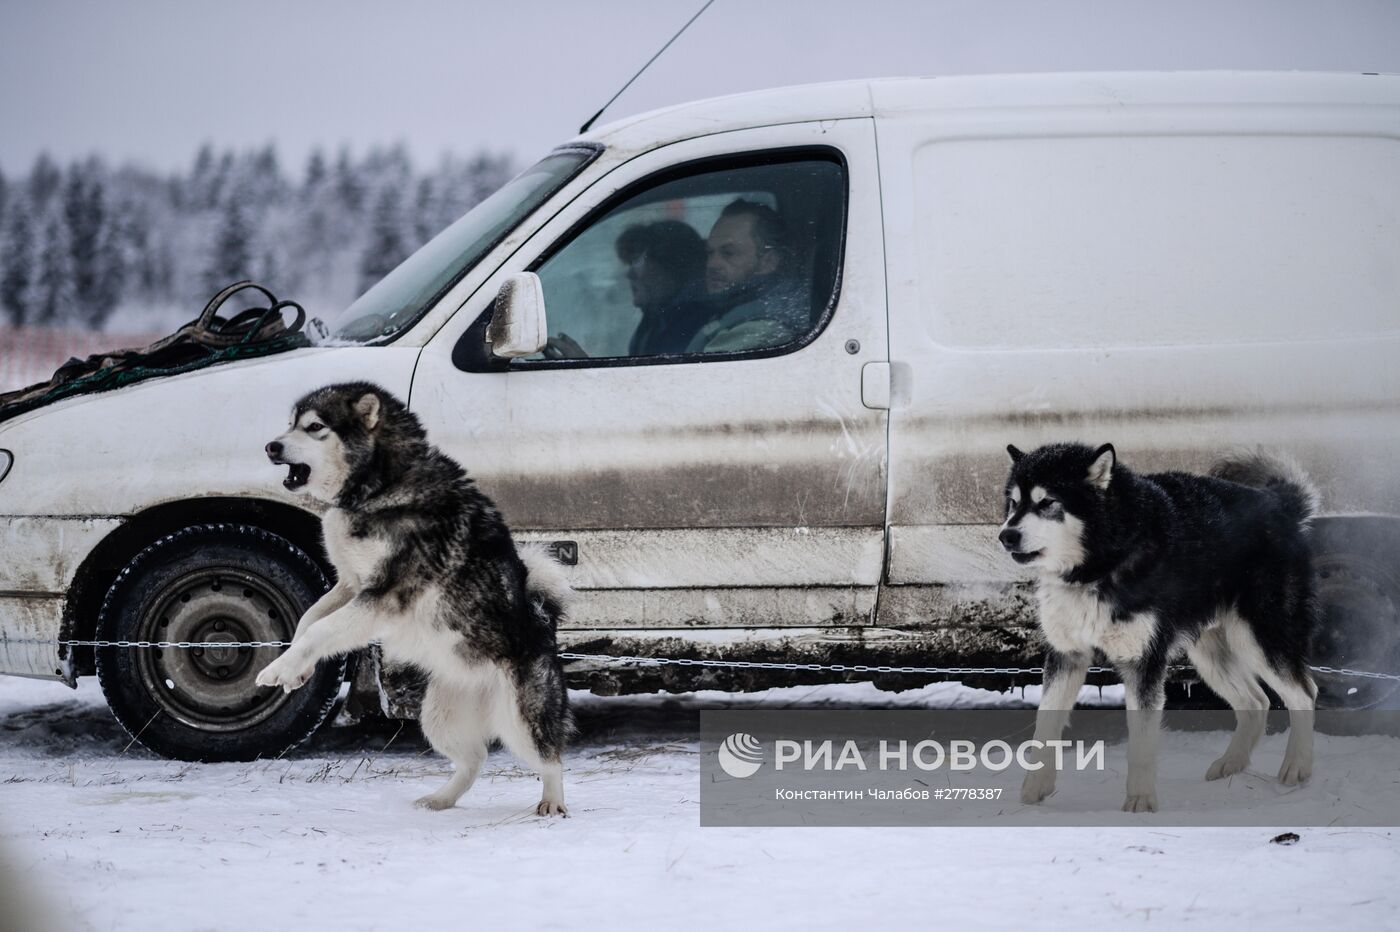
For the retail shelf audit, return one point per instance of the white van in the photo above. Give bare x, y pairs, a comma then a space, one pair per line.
791, 334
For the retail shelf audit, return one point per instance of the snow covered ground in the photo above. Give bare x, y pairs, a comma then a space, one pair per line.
108, 837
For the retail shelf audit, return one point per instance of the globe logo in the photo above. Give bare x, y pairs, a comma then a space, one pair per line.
740, 755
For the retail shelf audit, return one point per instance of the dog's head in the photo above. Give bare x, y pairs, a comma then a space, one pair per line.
333, 434
1054, 494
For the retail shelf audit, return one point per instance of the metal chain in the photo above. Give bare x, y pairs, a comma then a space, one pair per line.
665, 661
144, 644
1344, 671
569, 655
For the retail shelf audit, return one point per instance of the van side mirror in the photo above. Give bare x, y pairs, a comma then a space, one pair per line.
518, 325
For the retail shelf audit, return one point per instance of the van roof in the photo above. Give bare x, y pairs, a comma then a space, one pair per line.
889, 96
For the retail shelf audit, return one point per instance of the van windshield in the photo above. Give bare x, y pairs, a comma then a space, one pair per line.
398, 299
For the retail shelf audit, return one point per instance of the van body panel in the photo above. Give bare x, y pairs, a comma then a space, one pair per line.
42, 553
702, 474
642, 558
669, 612
1178, 265
25, 618
41, 558
807, 103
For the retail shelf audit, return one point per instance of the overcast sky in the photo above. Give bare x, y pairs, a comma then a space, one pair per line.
150, 80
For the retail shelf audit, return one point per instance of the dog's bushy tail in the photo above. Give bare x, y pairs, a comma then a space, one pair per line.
545, 586
549, 594
1275, 473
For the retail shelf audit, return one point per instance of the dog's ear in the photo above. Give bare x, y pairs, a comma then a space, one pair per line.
368, 410
1101, 469
1014, 453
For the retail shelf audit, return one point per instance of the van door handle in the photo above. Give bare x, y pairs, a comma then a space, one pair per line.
875, 385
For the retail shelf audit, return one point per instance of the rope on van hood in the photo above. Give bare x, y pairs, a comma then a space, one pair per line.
205, 341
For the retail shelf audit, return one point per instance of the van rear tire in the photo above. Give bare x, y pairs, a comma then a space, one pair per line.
1358, 587
210, 584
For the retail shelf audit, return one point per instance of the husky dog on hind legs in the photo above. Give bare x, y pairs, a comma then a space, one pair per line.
426, 567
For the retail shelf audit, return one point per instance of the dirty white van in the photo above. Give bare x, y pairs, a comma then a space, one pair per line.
809, 472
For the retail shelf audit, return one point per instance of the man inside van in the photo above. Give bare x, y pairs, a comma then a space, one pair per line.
758, 303
664, 262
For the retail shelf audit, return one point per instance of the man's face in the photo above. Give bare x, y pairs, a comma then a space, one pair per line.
734, 255
651, 284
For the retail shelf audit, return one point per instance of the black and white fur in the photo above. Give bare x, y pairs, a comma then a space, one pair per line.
426, 566
1141, 567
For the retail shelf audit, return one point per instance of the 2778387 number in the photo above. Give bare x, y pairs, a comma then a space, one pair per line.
967, 793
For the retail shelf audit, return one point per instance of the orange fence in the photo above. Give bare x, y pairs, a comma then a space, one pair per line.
31, 354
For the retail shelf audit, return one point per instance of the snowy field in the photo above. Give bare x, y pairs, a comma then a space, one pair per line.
107, 837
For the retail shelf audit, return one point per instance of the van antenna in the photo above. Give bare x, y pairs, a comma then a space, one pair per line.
594, 118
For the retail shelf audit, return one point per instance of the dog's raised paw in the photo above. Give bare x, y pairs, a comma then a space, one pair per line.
280, 673
1143, 802
549, 807
1226, 766
267, 676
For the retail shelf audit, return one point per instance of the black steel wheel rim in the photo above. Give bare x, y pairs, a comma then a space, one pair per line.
213, 688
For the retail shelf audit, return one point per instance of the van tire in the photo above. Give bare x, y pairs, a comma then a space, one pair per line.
203, 584
1358, 586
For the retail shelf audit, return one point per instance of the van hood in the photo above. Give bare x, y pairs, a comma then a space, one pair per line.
195, 434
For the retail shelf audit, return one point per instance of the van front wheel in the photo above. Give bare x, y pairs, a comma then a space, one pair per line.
191, 592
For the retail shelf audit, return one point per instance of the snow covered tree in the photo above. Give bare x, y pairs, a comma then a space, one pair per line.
44, 180
198, 189
128, 245
426, 223
51, 298
78, 240
17, 246
115, 259
219, 181
232, 257
4, 200
315, 171
348, 185
85, 211
388, 243
262, 182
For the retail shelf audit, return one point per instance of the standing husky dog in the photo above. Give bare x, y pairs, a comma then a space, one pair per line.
1140, 567
426, 567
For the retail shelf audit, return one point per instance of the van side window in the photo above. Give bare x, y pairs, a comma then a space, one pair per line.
715, 259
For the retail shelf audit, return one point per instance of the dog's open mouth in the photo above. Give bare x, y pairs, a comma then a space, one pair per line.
1027, 557
297, 475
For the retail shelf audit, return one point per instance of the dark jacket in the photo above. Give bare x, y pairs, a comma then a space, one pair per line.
669, 328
